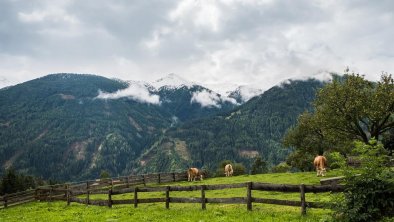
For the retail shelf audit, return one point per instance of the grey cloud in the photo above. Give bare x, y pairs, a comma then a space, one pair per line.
222, 41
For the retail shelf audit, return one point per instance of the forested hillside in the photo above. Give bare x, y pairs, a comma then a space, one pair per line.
253, 129
56, 127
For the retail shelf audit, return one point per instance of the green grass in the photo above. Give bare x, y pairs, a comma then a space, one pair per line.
59, 211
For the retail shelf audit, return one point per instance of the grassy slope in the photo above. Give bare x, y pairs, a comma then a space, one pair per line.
59, 211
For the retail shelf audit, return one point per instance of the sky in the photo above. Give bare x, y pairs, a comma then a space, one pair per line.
221, 43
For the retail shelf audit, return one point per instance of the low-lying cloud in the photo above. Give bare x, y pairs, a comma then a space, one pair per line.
210, 99
134, 91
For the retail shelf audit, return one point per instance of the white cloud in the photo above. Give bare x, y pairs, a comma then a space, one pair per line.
134, 91
206, 99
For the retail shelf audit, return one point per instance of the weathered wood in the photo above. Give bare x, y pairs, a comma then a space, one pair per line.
99, 202
173, 177
276, 187
249, 196
151, 189
68, 195
136, 197
5, 200
110, 198
231, 200
203, 200
98, 191
167, 197
185, 188
277, 202
87, 193
20, 202
302, 197
78, 200
332, 180
324, 188
115, 202
152, 200
225, 186
21, 193
185, 200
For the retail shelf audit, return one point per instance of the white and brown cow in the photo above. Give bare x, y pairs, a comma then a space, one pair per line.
228, 170
320, 164
192, 173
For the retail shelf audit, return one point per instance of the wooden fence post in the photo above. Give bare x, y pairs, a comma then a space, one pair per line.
50, 194
127, 182
144, 180
87, 193
167, 197
110, 198
249, 196
203, 200
158, 179
36, 194
112, 183
135, 197
173, 177
5, 200
68, 195
303, 203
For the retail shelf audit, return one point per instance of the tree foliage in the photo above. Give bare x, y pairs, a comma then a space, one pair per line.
349, 108
369, 192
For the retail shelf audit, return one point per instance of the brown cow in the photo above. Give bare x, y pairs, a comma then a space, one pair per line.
228, 170
320, 163
192, 173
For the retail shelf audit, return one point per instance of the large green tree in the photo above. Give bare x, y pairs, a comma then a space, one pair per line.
347, 109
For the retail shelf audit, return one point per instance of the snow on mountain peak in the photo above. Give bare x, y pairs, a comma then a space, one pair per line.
172, 81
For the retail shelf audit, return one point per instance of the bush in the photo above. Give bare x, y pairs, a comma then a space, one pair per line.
281, 168
369, 192
239, 169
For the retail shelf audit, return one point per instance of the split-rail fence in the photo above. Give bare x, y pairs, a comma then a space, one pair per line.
81, 192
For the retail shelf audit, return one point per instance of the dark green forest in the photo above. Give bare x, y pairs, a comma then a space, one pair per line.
54, 127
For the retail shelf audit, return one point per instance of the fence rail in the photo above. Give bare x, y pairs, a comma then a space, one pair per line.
99, 186
137, 184
248, 200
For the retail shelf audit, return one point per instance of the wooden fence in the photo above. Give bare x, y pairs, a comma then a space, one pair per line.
61, 191
70, 195
72, 192
17, 198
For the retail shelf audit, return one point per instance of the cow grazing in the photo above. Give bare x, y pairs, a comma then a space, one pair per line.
228, 170
320, 164
192, 173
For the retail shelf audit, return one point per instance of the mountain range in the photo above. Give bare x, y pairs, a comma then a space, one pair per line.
73, 126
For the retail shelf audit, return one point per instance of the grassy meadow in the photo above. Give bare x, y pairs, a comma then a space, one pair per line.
59, 211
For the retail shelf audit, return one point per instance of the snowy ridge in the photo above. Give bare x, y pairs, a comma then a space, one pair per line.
172, 81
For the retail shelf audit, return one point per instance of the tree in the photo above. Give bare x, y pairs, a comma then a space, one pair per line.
356, 107
259, 166
349, 108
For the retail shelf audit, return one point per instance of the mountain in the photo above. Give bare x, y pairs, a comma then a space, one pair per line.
250, 130
71, 126
243, 94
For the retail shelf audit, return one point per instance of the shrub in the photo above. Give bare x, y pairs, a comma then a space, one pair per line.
239, 169
281, 168
369, 192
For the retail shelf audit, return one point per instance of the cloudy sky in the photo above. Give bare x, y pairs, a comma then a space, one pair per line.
260, 42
